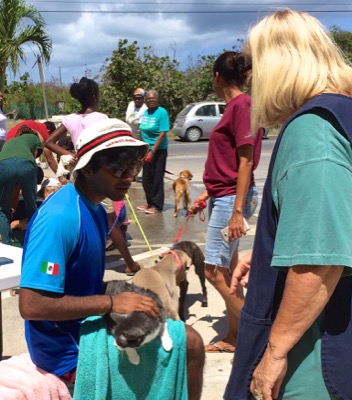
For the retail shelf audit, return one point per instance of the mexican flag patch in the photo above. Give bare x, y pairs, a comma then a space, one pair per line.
49, 268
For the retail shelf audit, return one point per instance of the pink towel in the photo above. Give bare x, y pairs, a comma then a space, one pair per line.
20, 379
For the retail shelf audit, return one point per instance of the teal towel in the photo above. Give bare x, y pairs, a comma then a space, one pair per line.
105, 373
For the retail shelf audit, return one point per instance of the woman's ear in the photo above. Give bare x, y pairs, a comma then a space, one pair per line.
216, 78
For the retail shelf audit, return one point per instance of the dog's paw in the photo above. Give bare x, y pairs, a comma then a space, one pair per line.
175, 214
132, 355
166, 340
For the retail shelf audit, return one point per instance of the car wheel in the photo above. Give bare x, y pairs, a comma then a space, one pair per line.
193, 134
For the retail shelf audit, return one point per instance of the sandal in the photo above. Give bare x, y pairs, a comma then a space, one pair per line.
215, 347
109, 245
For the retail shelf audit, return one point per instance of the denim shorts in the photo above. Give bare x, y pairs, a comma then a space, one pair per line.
217, 251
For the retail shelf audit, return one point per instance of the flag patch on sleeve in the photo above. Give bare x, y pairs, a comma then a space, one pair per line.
49, 268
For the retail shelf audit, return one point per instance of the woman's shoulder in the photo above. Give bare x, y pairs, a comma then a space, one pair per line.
310, 137
162, 111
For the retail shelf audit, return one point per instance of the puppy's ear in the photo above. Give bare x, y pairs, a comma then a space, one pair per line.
186, 260
162, 255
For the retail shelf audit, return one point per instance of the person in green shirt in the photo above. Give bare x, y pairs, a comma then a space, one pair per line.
18, 167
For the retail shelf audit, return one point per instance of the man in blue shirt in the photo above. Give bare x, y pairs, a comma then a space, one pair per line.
64, 252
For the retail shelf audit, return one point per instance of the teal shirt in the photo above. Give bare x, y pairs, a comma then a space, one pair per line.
312, 190
152, 124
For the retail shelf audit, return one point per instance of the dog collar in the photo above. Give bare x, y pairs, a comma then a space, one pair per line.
177, 258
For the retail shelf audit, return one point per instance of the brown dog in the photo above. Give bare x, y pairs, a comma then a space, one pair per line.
182, 190
163, 279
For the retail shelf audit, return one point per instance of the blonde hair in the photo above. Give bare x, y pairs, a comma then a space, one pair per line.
293, 60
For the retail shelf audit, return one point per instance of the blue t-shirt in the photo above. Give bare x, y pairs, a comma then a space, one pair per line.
154, 123
64, 252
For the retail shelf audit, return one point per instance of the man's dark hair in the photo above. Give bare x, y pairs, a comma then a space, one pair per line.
50, 126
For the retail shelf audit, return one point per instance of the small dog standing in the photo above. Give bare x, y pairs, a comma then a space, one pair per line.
182, 190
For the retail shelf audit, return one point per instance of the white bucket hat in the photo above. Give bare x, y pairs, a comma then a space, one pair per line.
102, 135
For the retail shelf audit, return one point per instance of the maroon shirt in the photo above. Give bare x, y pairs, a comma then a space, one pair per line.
232, 132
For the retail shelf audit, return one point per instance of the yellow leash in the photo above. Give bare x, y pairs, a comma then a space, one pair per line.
134, 216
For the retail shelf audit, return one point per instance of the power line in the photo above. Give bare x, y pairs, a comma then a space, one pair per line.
263, 10
192, 4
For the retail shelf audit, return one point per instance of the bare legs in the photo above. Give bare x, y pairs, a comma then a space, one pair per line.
195, 363
220, 278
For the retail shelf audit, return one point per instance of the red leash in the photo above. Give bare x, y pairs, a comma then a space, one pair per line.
201, 205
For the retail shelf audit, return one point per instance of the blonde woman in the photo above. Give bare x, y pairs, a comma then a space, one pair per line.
295, 329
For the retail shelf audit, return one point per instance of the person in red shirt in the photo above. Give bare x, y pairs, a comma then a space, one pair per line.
233, 155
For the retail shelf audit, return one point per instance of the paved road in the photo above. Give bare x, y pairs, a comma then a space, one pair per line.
160, 231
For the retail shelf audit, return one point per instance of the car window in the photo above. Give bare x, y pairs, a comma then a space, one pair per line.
186, 110
206, 111
222, 108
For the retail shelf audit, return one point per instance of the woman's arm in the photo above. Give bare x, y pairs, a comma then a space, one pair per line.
307, 290
51, 144
158, 142
50, 159
236, 224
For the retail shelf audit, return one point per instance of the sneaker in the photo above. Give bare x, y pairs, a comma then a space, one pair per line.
151, 210
144, 207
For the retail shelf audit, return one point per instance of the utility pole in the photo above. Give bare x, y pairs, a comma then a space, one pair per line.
42, 81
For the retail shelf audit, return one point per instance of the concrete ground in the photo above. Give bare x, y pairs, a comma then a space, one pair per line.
160, 230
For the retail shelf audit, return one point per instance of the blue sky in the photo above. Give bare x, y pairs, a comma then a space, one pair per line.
85, 33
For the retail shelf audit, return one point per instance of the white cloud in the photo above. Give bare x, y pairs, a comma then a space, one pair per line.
85, 40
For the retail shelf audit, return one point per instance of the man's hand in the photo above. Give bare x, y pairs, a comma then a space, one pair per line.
268, 376
241, 272
126, 302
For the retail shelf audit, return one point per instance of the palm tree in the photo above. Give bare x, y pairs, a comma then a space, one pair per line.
20, 24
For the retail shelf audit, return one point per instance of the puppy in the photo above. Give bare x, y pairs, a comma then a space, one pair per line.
196, 255
135, 329
182, 191
163, 279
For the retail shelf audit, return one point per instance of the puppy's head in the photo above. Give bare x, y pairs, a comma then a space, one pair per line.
186, 262
186, 174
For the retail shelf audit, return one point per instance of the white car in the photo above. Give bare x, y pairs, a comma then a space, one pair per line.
197, 120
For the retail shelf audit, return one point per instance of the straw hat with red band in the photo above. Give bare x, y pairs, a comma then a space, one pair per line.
102, 135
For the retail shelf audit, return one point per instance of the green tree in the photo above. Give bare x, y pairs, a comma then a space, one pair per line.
344, 40
20, 24
26, 98
130, 67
